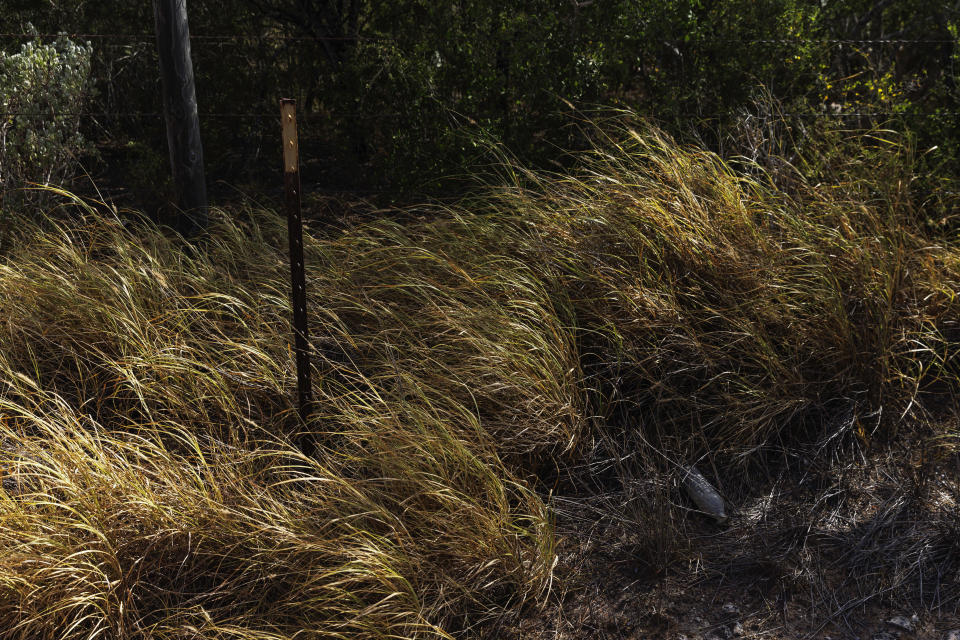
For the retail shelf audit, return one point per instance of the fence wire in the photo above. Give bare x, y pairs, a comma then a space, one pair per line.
313, 116
150, 37
234, 39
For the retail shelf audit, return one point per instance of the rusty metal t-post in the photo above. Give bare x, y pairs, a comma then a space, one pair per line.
291, 184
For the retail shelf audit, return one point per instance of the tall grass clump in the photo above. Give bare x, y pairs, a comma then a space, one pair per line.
655, 307
722, 314
151, 485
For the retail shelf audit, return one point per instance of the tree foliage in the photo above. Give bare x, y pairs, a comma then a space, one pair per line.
393, 94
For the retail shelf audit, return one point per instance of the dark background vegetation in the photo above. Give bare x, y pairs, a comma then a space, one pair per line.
394, 95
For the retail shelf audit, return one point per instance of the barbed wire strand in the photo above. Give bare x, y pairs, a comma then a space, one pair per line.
149, 37
313, 117
154, 114
838, 41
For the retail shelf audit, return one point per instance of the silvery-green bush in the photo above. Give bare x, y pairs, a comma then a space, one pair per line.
43, 87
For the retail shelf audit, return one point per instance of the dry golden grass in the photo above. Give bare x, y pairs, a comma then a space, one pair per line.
152, 485
658, 301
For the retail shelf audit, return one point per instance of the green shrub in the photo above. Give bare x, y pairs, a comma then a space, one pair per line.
42, 89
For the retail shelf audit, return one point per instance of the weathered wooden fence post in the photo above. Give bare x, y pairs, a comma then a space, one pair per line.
180, 113
291, 184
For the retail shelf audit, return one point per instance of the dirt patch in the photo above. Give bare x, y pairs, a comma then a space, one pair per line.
867, 549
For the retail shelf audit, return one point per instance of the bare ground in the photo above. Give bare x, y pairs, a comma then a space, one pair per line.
862, 544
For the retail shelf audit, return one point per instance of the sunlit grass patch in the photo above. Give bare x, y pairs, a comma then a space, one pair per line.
655, 308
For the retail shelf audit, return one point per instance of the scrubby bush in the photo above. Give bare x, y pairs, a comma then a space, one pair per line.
42, 89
